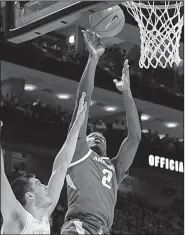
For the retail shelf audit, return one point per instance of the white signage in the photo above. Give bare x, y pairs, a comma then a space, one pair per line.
166, 163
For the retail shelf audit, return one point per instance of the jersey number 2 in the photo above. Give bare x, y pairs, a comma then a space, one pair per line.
106, 178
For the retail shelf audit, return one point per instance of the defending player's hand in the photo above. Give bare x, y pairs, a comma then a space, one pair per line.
95, 45
124, 84
82, 108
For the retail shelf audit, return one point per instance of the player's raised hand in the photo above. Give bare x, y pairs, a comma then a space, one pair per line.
82, 108
95, 45
124, 84
1, 124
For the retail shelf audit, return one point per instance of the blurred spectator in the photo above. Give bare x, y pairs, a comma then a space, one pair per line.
150, 135
16, 173
90, 125
115, 125
156, 139
166, 139
122, 125
132, 216
36, 111
100, 126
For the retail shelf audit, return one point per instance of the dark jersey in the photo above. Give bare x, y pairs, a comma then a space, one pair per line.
92, 187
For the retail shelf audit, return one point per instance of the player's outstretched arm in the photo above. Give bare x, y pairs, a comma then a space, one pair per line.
96, 49
65, 155
128, 149
11, 210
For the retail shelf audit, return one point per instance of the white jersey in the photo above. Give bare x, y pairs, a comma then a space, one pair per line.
34, 226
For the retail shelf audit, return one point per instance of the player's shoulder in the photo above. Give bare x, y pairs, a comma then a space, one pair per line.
32, 220
81, 155
94, 153
113, 161
14, 224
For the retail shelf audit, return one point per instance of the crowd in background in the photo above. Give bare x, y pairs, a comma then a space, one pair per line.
170, 79
37, 111
135, 216
132, 215
112, 61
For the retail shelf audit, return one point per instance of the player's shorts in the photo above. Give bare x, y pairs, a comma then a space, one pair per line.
81, 227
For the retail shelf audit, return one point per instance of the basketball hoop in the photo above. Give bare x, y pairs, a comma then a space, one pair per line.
160, 32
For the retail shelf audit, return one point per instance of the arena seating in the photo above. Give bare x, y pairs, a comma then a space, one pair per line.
132, 216
48, 119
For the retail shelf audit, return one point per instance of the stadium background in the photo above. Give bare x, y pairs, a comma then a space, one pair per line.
39, 79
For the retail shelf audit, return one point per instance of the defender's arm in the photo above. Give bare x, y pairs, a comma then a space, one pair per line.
64, 157
10, 206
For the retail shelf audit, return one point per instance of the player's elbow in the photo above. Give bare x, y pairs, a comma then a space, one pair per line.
135, 137
134, 133
59, 175
64, 166
138, 136
60, 168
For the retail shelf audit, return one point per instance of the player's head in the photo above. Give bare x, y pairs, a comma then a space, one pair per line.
30, 192
97, 143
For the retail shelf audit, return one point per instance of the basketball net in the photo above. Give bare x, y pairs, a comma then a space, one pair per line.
160, 32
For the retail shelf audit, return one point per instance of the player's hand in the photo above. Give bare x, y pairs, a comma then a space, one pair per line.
1, 123
82, 108
124, 84
95, 45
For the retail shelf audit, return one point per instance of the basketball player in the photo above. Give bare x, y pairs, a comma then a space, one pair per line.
26, 206
93, 179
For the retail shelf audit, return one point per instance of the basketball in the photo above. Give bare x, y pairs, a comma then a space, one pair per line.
107, 23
